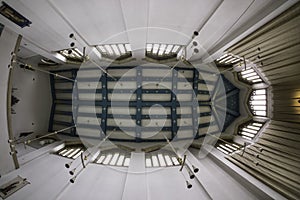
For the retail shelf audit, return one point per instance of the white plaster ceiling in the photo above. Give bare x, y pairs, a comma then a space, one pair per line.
104, 22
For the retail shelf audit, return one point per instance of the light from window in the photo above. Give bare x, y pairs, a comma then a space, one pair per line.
113, 158
169, 48
155, 48
71, 151
175, 49
149, 47
73, 54
120, 160
250, 75
250, 130
128, 47
74, 153
161, 160
148, 162
78, 154
162, 51
227, 147
122, 49
175, 161
107, 159
101, 159
115, 51
228, 59
168, 160
258, 102
155, 161
126, 162
109, 49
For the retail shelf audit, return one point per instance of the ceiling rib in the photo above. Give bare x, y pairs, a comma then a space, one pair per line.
213, 45
136, 25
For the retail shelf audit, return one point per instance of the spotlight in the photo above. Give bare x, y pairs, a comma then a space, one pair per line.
191, 174
195, 169
72, 44
188, 185
72, 36
72, 180
69, 51
196, 50
195, 43
68, 165
196, 33
72, 172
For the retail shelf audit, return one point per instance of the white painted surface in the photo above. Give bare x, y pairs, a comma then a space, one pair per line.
23, 149
35, 153
97, 182
168, 183
33, 109
135, 17
135, 185
25, 53
50, 180
176, 21
108, 21
251, 183
218, 183
47, 176
7, 43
